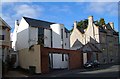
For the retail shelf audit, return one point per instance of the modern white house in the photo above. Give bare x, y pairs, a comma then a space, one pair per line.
29, 32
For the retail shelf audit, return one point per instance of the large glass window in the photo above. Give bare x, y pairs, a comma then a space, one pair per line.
62, 34
66, 35
41, 36
2, 37
62, 57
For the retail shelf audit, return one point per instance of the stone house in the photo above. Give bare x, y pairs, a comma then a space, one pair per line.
103, 37
5, 43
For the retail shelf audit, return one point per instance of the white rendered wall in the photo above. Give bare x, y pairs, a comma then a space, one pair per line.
96, 29
76, 35
23, 35
58, 63
14, 36
47, 38
66, 40
57, 43
56, 35
30, 58
91, 31
33, 36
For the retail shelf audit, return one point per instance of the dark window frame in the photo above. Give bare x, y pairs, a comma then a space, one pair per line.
62, 46
66, 35
62, 34
63, 57
41, 36
2, 37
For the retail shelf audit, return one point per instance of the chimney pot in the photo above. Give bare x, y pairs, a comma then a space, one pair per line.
111, 24
75, 24
18, 22
90, 20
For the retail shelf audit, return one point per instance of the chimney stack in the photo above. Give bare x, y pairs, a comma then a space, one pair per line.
111, 24
75, 24
16, 24
104, 26
90, 20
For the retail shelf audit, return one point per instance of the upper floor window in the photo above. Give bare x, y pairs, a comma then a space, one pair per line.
62, 46
62, 34
1, 37
66, 35
41, 36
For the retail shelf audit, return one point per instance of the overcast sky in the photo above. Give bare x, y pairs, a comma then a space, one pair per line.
60, 12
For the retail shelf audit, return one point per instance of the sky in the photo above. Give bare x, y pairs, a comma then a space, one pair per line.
60, 12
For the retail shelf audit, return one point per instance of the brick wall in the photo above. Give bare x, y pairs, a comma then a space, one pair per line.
75, 58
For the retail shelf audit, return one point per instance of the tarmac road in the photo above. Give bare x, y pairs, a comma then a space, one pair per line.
102, 71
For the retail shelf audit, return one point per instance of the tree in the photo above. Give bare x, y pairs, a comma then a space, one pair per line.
79, 24
83, 24
102, 21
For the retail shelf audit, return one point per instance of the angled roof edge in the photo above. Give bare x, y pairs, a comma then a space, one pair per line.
37, 20
5, 23
37, 23
90, 45
66, 30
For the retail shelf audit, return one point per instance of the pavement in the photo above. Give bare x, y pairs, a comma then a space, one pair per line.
15, 74
102, 71
112, 71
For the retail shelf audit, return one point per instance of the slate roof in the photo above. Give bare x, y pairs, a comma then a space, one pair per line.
101, 29
90, 48
112, 30
35, 23
40, 23
77, 43
116, 33
67, 31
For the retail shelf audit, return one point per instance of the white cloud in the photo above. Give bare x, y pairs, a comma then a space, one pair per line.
28, 10
60, 0
99, 0
17, 11
16, 0
64, 8
8, 19
103, 7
